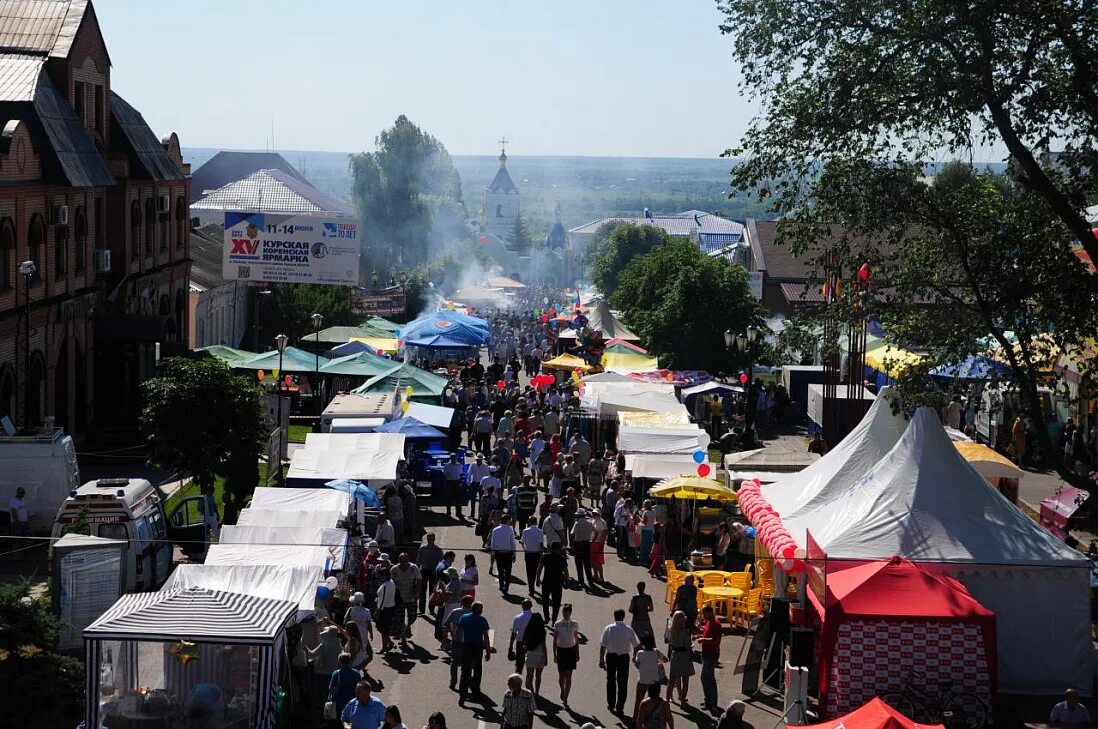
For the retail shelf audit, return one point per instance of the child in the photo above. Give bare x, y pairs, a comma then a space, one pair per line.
655, 556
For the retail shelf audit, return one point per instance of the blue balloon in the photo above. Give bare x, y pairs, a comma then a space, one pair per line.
750, 531
699, 456
322, 592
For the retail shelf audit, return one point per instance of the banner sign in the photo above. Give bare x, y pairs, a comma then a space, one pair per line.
387, 302
290, 249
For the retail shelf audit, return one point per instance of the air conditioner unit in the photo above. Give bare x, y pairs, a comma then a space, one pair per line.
103, 261
61, 215
163, 204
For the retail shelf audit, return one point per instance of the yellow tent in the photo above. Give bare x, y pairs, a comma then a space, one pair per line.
892, 361
989, 463
382, 345
629, 361
692, 487
638, 419
566, 362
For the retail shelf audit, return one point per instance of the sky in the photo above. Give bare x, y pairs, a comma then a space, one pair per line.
644, 78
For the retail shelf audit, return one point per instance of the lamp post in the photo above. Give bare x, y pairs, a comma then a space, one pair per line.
318, 319
260, 294
280, 341
373, 279
745, 343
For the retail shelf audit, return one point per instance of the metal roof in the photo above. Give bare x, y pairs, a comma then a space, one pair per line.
150, 151
679, 224
502, 182
272, 191
80, 162
19, 76
226, 167
207, 244
41, 27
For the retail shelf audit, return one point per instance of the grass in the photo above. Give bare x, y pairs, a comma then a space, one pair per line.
191, 489
298, 433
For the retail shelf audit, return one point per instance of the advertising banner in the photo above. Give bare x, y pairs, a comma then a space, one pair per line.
387, 302
290, 249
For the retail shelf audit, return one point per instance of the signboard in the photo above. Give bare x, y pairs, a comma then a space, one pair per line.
755, 281
290, 249
387, 302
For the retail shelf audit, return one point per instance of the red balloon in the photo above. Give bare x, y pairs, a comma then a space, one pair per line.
288, 379
743, 379
501, 384
787, 551
704, 469
544, 318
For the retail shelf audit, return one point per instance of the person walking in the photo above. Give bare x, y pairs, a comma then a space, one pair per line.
364, 711
623, 516
616, 645
518, 705
686, 600
526, 500
598, 547
654, 712
451, 599
580, 450
477, 472
582, 534
406, 576
391, 718
532, 547
428, 559
710, 640
451, 475
648, 661
386, 610
476, 649
19, 515
566, 637
534, 639
640, 608
450, 624
470, 576
516, 649
482, 432
553, 526
342, 682
681, 663
552, 573
502, 546
647, 531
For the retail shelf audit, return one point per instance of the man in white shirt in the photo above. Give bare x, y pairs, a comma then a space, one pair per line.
477, 471
1069, 712
451, 473
553, 526
384, 536
20, 517
583, 531
532, 545
386, 611
502, 545
616, 648
516, 649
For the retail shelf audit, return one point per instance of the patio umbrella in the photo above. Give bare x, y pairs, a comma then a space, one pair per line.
692, 487
360, 491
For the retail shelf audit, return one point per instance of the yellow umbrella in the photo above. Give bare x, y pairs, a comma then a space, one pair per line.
692, 487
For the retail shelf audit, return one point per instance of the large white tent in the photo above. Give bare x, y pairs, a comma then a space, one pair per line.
330, 465
295, 583
279, 518
274, 554
355, 441
924, 502
661, 440
291, 499
334, 539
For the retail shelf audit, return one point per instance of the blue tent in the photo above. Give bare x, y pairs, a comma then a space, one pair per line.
469, 330
974, 367
411, 429
439, 341
360, 491
346, 348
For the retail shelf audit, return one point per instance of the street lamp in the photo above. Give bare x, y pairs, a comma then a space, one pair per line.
280, 341
318, 319
260, 294
745, 344
373, 278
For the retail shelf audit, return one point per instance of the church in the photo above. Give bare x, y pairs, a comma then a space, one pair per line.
501, 201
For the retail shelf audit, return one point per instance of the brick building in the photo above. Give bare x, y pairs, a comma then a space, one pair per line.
99, 205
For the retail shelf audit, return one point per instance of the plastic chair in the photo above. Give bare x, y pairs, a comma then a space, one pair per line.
674, 581
745, 609
764, 571
712, 580
740, 580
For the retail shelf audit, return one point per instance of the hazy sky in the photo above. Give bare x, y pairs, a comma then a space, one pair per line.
599, 77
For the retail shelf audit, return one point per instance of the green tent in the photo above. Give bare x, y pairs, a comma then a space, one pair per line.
362, 364
335, 335
294, 360
381, 325
228, 355
426, 386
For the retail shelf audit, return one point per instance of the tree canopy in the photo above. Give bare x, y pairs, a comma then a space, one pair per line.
614, 246
681, 301
295, 305
198, 416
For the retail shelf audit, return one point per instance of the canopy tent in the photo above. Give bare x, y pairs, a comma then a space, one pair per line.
924, 502
631, 362
354, 442
228, 355
293, 360
974, 368
869, 610
441, 341
617, 344
613, 402
362, 364
422, 382
380, 324
333, 335
355, 346
412, 429
505, 282
379, 344
874, 715
662, 465
675, 419
334, 539
687, 394
605, 377
691, 487
600, 318
436, 415
469, 330
661, 440
1057, 509
989, 463
292, 555
566, 362
281, 498
198, 616
317, 466
270, 517
482, 296
293, 583
627, 387
890, 362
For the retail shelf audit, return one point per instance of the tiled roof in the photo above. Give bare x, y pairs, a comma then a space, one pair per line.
678, 225
19, 76
207, 244
79, 160
42, 27
272, 191
149, 150
226, 167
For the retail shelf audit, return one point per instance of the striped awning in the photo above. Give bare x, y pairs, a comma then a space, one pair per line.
194, 614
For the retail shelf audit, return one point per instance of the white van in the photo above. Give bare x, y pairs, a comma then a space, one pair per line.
44, 463
128, 509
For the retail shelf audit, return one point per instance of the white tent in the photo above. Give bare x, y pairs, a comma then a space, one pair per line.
334, 539
627, 388
290, 499
663, 465
277, 518
661, 440
330, 465
434, 415
924, 502
711, 386
612, 403
816, 399
606, 377
844, 464
279, 582
273, 554
355, 441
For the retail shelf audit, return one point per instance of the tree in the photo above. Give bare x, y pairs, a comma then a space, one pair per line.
623, 243
295, 305
197, 415
29, 667
888, 81
400, 190
520, 241
681, 301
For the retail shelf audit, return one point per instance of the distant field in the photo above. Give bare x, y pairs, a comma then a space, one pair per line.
585, 187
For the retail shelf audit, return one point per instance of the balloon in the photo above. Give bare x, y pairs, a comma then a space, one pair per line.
704, 440
500, 384
288, 379
788, 551
275, 372
751, 532
332, 583
544, 318
483, 240
743, 379
408, 391
699, 456
323, 593
545, 301
261, 374
704, 469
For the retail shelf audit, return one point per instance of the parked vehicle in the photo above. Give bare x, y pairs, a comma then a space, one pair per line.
43, 462
998, 408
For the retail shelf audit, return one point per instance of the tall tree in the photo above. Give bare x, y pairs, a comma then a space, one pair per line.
681, 301
399, 190
520, 242
886, 81
296, 303
615, 246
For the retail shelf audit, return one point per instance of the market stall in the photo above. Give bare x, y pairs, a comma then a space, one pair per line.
336, 540
999, 470
874, 715
187, 656
295, 583
882, 620
661, 440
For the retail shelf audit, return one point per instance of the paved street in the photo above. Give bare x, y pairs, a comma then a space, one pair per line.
418, 681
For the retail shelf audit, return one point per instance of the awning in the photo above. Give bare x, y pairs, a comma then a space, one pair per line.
134, 328
631, 362
892, 361
566, 362
989, 463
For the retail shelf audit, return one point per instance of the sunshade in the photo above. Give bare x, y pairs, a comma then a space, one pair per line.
692, 487
874, 715
384, 325
422, 382
617, 344
631, 362
228, 355
468, 330
293, 360
441, 341
333, 335
353, 347
436, 415
362, 364
892, 361
641, 419
566, 362
379, 344
359, 491
412, 429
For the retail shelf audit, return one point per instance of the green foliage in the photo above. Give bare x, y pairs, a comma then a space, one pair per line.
618, 244
681, 301
520, 242
198, 416
401, 190
295, 305
29, 667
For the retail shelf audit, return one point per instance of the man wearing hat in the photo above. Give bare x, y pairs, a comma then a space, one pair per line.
477, 471
451, 473
583, 531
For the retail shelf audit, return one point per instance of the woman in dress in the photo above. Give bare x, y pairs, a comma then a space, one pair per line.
556, 477
598, 546
566, 637
686, 600
681, 663
640, 607
451, 592
648, 661
469, 577
536, 658
596, 477
654, 712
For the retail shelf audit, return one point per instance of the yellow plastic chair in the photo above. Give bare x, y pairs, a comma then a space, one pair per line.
747, 608
669, 567
712, 580
764, 572
740, 580
674, 581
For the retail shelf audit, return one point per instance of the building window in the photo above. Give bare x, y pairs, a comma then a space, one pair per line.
60, 251
499, 211
79, 102
7, 253
80, 236
163, 232
180, 222
135, 229
99, 223
97, 112
36, 242
150, 218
